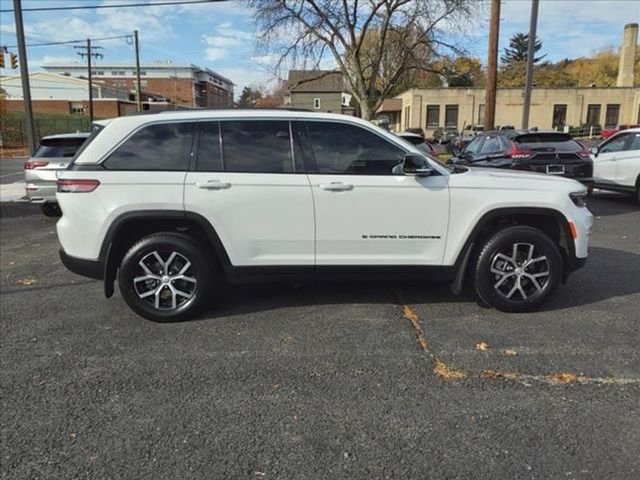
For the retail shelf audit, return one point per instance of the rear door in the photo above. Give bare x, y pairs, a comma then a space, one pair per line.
366, 214
246, 181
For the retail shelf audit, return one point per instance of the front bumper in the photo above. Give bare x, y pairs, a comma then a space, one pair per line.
80, 266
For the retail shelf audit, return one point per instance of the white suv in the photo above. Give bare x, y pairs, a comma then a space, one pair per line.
167, 203
616, 164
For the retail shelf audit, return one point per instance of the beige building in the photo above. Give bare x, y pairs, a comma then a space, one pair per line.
606, 107
550, 107
320, 91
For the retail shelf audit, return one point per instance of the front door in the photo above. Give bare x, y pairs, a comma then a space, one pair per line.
249, 186
366, 215
628, 163
605, 165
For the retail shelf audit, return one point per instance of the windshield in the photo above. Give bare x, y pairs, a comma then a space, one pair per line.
58, 147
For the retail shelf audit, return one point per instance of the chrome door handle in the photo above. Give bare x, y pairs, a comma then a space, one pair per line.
213, 185
336, 186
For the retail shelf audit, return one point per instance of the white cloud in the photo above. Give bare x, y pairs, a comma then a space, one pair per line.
216, 41
215, 53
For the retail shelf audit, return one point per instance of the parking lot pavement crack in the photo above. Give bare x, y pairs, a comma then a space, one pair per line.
447, 372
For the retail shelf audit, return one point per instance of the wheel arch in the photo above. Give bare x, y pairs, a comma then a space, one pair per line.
130, 227
551, 222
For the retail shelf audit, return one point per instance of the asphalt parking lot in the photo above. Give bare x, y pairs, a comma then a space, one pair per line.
400, 380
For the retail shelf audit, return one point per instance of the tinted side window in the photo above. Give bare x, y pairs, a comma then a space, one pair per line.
343, 148
209, 157
256, 146
616, 144
491, 145
164, 146
474, 145
635, 142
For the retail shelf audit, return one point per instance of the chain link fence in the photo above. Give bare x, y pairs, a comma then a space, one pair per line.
14, 134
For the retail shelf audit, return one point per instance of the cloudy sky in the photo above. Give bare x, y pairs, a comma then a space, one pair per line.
222, 36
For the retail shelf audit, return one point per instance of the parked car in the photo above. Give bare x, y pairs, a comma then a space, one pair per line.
606, 133
416, 130
419, 142
53, 154
616, 164
461, 141
168, 202
444, 135
553, 153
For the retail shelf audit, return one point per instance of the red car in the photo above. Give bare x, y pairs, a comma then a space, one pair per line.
604, 134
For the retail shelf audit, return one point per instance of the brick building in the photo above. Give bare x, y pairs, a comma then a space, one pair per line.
181, 85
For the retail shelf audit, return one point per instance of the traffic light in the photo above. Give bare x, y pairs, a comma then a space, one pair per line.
1, 59
14, 60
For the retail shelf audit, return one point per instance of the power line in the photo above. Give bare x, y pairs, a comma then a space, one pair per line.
95, 7
68, 42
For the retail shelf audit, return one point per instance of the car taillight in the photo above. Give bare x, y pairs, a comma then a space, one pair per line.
516, 153
77, 186
30, 165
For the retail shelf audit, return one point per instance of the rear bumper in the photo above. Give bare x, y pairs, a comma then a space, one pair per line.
41, 192
80, 266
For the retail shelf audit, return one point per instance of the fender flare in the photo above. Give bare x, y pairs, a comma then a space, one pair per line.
462, 260
108, 252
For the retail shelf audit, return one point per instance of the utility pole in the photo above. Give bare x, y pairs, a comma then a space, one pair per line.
138, 82
88, 52
24, 74
492, 67
533, 24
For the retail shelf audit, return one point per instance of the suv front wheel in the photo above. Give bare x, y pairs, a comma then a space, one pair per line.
165, 277
518, 269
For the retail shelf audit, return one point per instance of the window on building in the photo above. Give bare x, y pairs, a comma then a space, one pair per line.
481, 114
76, 108
98, 72
142, 72
433, 116
209, 158
559, 119
612, 115
114, 72
348, 149
164, 146
407, 116
593, 114
256, 146
451, 116
121, 72
317, 104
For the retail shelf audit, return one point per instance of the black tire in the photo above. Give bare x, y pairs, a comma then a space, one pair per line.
51, 210
170, 307
506, 279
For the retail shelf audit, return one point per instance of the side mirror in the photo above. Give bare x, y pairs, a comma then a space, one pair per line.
416, 165
594, 151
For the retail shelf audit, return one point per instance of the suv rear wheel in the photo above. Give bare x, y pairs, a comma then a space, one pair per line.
165, 277
518, 269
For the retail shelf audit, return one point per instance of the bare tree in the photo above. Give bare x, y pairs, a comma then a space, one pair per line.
376, 44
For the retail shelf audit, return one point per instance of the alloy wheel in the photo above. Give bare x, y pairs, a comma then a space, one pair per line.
520, 273
165, 284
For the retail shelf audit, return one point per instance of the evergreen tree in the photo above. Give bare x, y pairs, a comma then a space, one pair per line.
517, 50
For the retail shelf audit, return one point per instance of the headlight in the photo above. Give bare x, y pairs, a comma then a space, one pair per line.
579, 198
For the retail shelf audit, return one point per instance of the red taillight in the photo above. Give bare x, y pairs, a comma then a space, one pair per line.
30, 165
77, 186
515, 152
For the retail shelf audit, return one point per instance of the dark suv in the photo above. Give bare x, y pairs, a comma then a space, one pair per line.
553, 153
